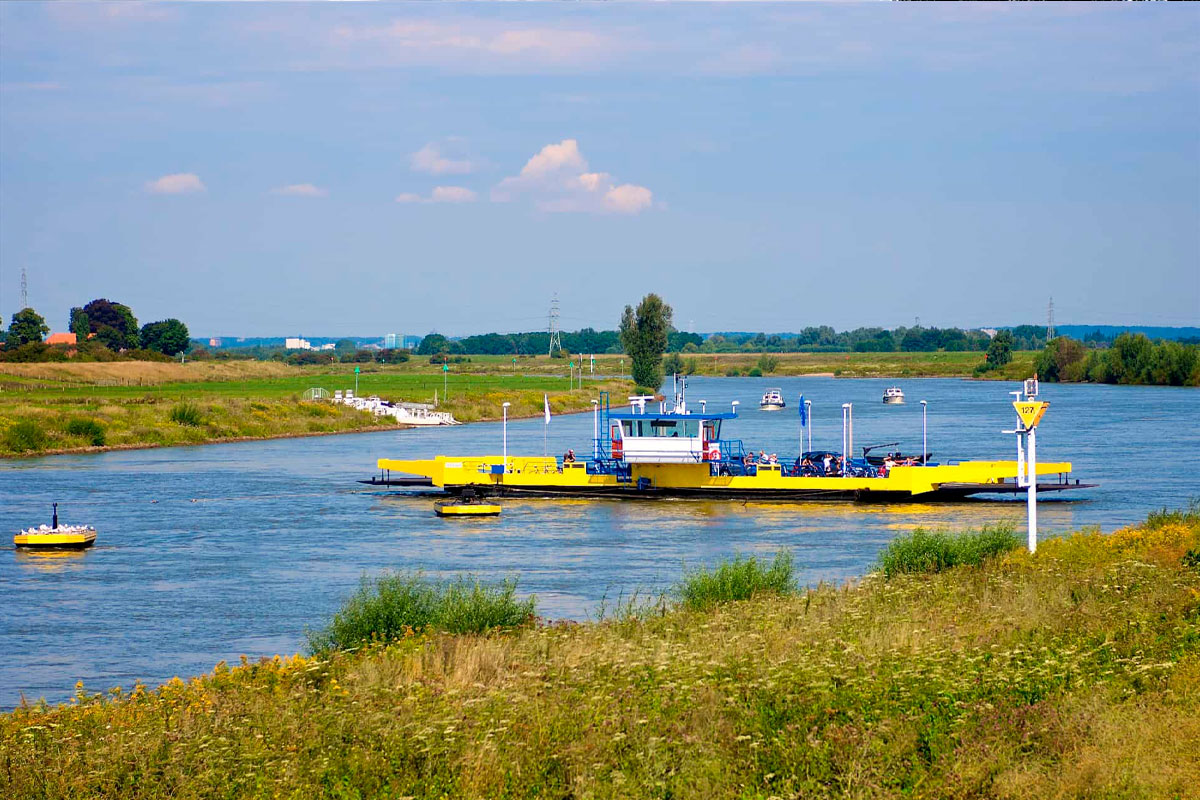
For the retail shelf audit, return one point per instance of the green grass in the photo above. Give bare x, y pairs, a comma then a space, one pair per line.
186, 414
25, 436
740, 578
398, 605
933, 551
1072, 673
88, 429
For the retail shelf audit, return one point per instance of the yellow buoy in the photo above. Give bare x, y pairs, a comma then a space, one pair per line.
55, 536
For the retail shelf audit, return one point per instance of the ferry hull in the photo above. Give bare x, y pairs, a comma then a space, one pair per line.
542, 477
54, 541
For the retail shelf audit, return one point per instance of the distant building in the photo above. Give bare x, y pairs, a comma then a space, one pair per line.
214, 341
410, 342
990, 332
393, 341
296, 343
326, 346
61, 338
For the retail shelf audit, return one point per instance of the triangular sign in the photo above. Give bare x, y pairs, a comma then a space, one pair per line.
1031, 412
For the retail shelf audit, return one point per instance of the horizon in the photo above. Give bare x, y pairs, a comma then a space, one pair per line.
412, 167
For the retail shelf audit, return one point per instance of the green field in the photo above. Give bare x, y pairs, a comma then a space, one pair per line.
61, 407
1074, 673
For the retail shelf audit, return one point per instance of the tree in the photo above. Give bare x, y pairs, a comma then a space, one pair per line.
1062, 360
170, 337
27, 326
344, 348
432, 344
644, 338
113, 324
999, 352
79, 325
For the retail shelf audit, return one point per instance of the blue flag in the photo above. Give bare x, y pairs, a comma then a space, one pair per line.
803, 412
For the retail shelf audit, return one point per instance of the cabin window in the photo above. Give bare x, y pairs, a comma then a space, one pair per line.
712, 430
628, 426
664, 427
691, 428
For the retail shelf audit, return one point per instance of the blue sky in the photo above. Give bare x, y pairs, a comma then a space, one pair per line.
369, 168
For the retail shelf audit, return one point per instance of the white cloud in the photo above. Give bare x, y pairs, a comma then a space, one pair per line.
452, 194
300, 190
440, 194
432, 160
178, 183
557, 179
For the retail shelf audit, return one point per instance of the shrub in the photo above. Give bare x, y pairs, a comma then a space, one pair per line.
767, 363
397, 604
186, 414
739, 579
934, 551
89, 429
732, 373
754, 372
25, 437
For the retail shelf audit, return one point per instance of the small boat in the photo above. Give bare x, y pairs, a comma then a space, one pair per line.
772, 400
893, 395
468, 505
55, 536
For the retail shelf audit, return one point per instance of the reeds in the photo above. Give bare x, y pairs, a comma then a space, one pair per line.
401, 604
739, 578
933, 551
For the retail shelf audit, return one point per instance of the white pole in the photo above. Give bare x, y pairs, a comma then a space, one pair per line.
808, 414
845, 410
595, 430
1032, 496
506, 437
850, 441
924, 433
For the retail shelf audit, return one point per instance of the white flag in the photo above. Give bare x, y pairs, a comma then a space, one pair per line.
546, 401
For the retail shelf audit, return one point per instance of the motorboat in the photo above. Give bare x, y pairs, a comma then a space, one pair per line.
772, 400
893, 395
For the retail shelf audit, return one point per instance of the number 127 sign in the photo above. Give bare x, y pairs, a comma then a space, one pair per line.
1031, 411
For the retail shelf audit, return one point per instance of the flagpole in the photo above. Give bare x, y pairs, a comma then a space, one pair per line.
808, 422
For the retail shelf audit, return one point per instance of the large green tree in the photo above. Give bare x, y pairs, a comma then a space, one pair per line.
433, 344
644, 333
27, 326
113, 324
999, 352
80, 325
169, 336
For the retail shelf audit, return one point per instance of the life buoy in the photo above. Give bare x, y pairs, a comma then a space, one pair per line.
712, 451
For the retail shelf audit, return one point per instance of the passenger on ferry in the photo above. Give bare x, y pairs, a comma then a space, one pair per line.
569, 458
773, 458
762, 457
827, 465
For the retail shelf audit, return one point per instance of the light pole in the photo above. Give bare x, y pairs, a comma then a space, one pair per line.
808, 416
595, 430
845, 421
924, 433
505, 407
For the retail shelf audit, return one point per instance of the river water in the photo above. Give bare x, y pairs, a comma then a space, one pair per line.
207, 553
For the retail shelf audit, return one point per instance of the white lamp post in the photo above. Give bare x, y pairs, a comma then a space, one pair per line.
505, 407
595, 430
808, 416
845, 422
924, 433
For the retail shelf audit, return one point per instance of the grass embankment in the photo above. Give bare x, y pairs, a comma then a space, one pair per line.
64, 407
863, 365
1072, 673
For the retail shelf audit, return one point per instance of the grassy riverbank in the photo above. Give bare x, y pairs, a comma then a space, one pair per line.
65, 407
1072, 673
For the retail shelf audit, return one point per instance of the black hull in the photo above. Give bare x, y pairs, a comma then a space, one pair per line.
945, 493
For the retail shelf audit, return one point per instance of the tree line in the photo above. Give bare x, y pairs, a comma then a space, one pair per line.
1133, 358
103, 329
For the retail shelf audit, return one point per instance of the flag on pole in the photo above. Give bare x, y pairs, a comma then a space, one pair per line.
803, 412
546, 402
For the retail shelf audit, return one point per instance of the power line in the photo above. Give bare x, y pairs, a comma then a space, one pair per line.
1050, 320
555, 338
24, 289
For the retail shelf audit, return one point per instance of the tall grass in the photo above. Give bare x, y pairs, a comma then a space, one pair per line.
398, 604
738, 579
186, 414
24, 437
89, 429
933, 551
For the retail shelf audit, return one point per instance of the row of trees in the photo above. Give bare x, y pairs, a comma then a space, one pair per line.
100, 323
1133, 359
587, 340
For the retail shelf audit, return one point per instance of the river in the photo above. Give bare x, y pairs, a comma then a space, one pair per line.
207, 553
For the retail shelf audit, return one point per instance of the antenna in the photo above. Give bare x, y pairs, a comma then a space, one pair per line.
24, 290
1050, 320
555, 337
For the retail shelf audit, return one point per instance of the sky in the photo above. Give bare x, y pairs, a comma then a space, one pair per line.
361, 168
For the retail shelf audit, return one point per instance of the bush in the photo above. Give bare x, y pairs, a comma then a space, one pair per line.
767, 364
754, 372
732, 373
186, 414
739, 579
25, 437
89, 429
398, 604
934, 551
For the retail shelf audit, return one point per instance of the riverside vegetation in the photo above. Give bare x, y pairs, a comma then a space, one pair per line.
60, 407
1074, 672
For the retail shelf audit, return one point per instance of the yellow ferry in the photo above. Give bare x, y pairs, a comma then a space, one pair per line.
678, 452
